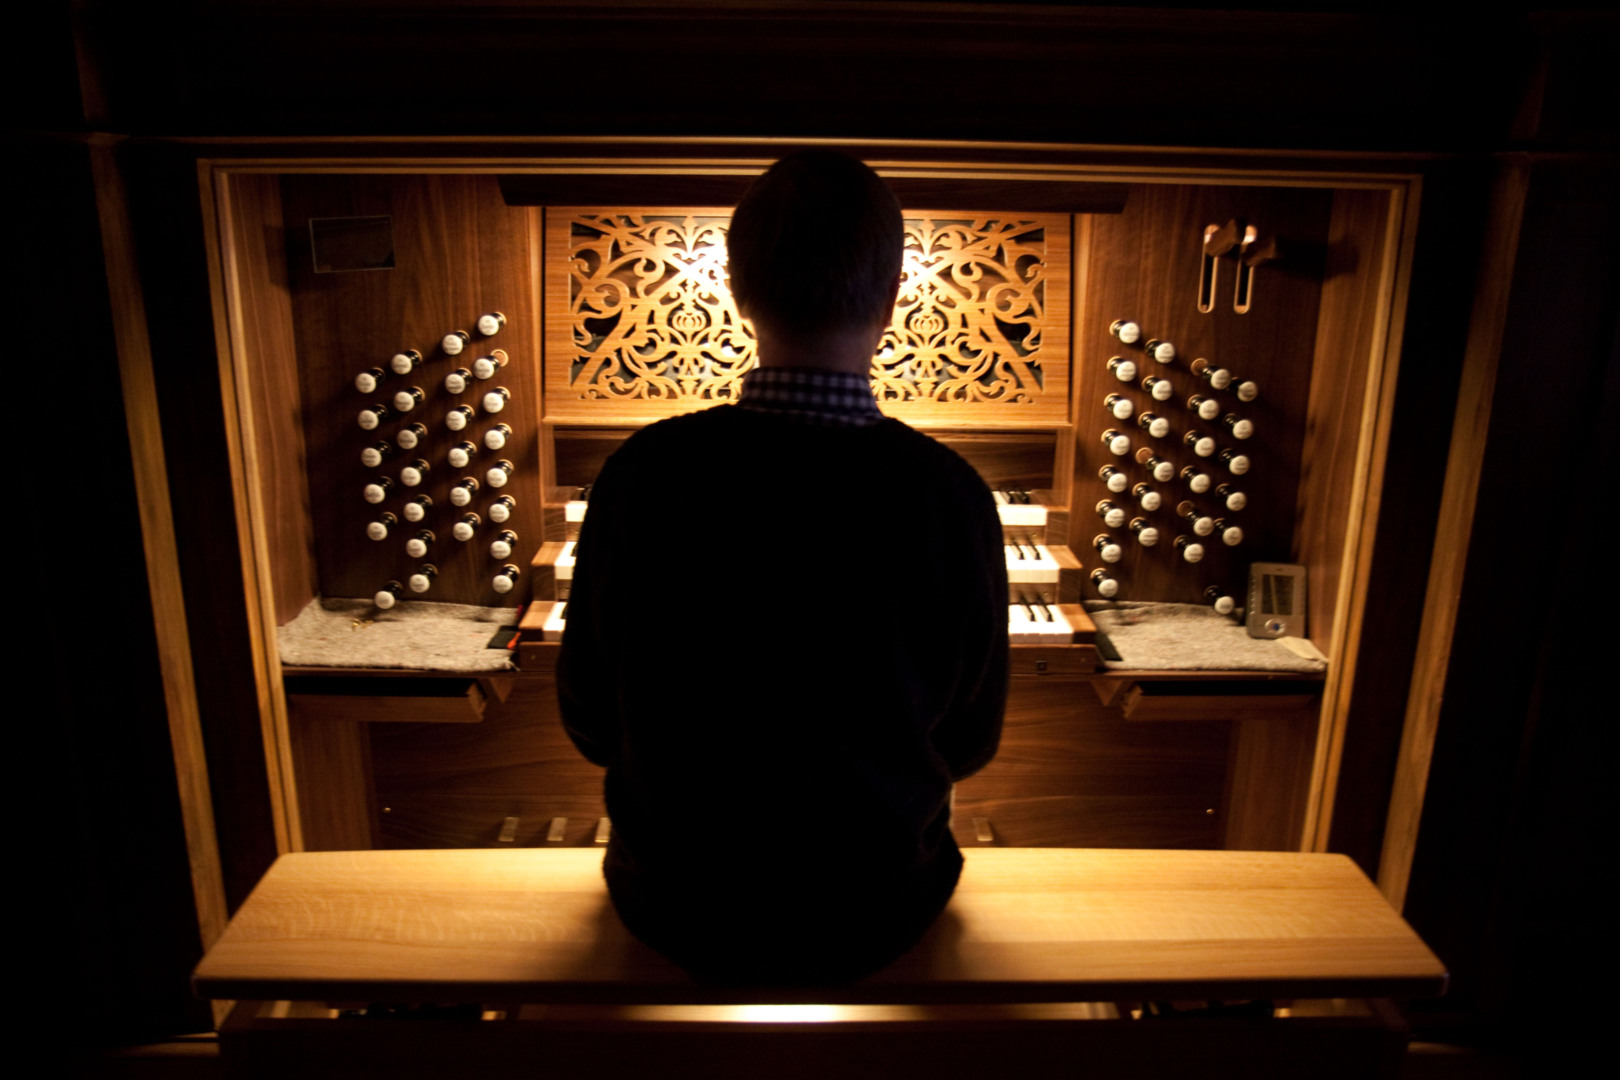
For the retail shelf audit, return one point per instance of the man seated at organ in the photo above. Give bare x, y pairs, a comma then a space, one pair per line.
787, 630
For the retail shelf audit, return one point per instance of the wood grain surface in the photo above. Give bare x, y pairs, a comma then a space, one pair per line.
1053, 925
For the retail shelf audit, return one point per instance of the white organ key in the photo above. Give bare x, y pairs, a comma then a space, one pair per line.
1020, 515
563, 568
574, 511
1030, 564
1035, 623
555, 622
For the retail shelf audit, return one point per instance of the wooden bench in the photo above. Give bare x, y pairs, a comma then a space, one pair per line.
1022, 975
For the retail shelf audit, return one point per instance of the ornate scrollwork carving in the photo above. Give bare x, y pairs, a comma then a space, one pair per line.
967, 326
650, 317
650, 313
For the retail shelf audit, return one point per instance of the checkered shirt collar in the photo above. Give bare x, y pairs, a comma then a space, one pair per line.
812, 396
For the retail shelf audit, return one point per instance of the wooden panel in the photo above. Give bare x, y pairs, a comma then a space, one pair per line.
446, 701
268, 352
1075, 925
1269, 783
1350, 334
1145, 266
333, 765
1070, 772
1183, 820
418, 820
459, 252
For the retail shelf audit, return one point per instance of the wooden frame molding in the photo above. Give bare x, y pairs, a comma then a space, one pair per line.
1447, 562
158, 539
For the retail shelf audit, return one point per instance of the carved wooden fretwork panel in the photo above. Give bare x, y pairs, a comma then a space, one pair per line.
641, 323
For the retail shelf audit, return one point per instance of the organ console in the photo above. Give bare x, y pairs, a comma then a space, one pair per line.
596, 341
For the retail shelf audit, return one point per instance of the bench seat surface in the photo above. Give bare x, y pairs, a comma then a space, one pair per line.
1025, 925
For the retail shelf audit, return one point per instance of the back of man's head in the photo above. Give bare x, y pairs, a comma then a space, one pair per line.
815, 245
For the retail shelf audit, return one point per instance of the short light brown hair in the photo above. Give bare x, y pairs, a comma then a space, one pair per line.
816, 245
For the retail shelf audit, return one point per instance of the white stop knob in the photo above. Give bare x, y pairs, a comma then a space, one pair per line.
1162, 390
1192, 552
1204, 446
1158, 427
1232, 536
500, 549
455, 382
484, 367
1225, 605
1119, 445
462, 531
1203, 526
1108, 588
494, 402
1236, 501
375, 493
384, 599
499, 512
1242, 429
1148, 536
496, 477
1150, 500
406, 439
410, 476
1209, 409
502, 583
420, 582
460, 496
377, 531
452, 344
1238, 465
1164, 472
416, 547
1110, 552
1164, 352
1121, 409
369, 419
402, 363
1126, 331
404, 401
365, 382
489, 325
1125, 370
495, 438
1118, 482
414, 511
458, 457
1248, 390
371, 457
455, 420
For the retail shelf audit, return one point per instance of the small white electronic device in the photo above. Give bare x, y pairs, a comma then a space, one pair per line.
1276, 600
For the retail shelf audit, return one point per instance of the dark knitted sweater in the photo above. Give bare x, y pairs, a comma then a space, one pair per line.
784, 642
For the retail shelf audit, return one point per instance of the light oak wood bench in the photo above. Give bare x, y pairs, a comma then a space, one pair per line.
1013, 971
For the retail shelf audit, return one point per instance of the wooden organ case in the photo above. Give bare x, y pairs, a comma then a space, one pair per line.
1029, 336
